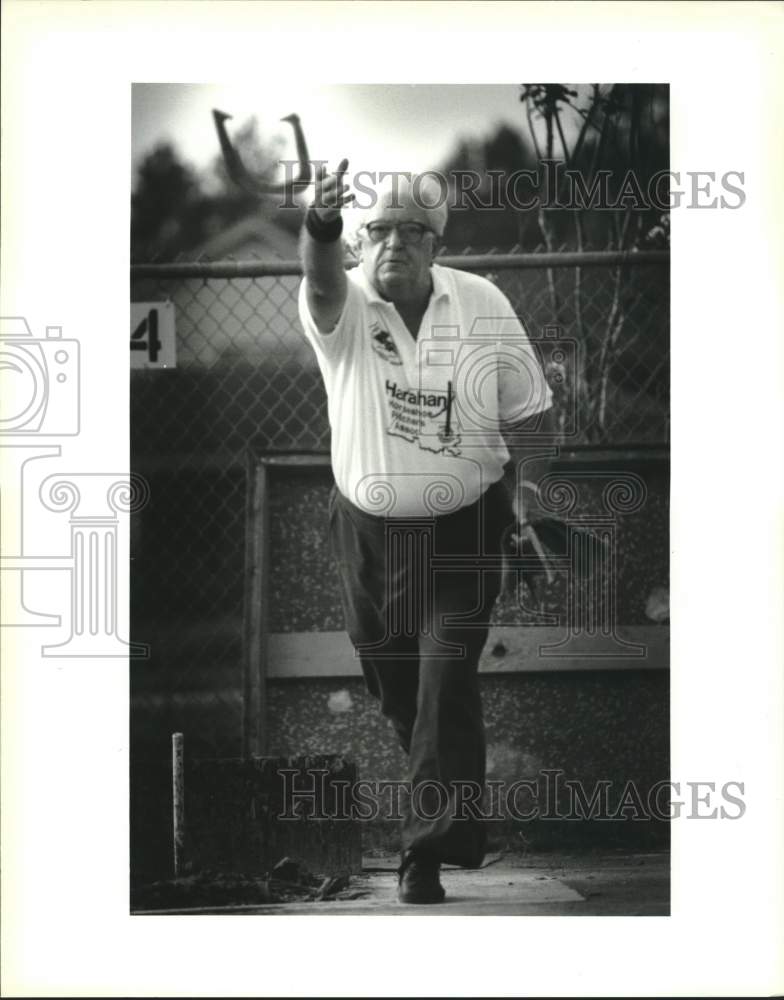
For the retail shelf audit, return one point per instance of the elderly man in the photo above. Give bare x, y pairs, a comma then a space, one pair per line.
424, 367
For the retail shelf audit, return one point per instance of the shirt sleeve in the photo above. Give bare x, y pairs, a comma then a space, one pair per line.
334, 342
522, 388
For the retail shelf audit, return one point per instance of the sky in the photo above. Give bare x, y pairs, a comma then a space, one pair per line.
378, 127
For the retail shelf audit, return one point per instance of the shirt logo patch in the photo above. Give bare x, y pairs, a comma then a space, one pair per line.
384, 345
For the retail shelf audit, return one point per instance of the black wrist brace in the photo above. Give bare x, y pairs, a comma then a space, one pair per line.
320, 231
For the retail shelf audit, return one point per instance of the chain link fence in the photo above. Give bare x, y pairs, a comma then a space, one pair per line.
246, 381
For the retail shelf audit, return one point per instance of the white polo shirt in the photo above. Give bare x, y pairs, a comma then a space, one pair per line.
416, 423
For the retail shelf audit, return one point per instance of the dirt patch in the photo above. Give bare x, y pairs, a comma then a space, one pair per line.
288, 882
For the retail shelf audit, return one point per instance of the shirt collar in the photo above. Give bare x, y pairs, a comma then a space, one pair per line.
440, 286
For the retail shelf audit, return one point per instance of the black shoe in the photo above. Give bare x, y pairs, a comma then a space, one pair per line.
418, 880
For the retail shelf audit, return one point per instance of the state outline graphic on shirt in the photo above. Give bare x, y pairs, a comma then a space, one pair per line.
414, 417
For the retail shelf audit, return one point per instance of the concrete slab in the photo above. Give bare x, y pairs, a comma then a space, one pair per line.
617, 885
467, 892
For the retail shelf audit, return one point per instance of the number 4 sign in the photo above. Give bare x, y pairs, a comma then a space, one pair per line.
153, 338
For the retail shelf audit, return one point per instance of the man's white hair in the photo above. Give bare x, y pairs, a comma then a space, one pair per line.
425, 192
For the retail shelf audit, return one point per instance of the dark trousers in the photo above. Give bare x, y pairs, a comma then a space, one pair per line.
417, 595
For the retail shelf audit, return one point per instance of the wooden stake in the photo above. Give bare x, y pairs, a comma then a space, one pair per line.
178, 802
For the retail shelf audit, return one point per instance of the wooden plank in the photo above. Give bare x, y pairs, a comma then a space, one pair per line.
256, 613
223, 462
305, 460
330, 654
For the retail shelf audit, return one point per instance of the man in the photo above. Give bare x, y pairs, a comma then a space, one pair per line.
424, 366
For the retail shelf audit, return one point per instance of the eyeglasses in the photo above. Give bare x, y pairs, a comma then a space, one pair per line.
410, 233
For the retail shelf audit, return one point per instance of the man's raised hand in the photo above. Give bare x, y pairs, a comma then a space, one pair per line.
330, 192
